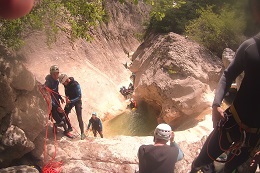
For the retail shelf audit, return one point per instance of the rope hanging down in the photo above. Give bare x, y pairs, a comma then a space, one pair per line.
51, 166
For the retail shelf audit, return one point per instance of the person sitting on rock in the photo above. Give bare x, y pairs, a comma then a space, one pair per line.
160, 157
132, 104
124, 91
57, 112
96, 125
73, 99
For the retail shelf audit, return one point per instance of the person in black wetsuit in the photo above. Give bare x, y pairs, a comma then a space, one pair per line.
160, 157
96, 125
73, 99
239, 125
57, 112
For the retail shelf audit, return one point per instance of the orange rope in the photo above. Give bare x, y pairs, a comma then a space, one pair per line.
235, 148
66, 116
51, 166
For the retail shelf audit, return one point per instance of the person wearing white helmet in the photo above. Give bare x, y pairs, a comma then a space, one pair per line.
51, 81
160, 157
73, 99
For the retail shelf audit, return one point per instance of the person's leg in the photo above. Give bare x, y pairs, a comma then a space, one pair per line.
78, 107
218, 141
236, 160
67, 110
100, 133
209, 152
55, 115
94, 132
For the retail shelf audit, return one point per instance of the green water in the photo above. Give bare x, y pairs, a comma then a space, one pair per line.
139, 122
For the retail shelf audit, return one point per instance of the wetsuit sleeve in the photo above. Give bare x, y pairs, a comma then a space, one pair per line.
89, 124
141, 159
78, 93
180, 152
100, 125
234, 69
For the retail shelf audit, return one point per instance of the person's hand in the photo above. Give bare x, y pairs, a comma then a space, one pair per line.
62, 101
217, 115
172, 137
60, 110
68, 100
255, 160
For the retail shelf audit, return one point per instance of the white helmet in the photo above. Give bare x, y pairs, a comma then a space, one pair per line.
63, 78
163, 131
54, 68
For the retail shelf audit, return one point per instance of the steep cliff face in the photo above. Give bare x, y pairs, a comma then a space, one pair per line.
96, 65
177, 74
22, 109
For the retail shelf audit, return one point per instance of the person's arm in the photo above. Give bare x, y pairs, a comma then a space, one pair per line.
180, 153
174, 144
234, 69
100, 125
78, 93
89, 124
140, 155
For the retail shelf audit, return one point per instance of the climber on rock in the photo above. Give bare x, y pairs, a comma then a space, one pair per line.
237, 129
73, 99
96, 124
57, 112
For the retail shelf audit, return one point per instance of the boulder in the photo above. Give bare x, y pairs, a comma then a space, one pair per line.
20, 169
177, 74
23, 110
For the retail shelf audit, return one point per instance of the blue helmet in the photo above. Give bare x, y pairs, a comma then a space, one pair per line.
94, 113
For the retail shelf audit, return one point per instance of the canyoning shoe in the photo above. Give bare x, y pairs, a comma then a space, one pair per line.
68, 134
59, 124
83, 136
70, 129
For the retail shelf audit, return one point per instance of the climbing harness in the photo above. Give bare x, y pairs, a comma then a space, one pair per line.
234, 149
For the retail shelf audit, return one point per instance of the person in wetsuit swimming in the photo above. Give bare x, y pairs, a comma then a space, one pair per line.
239, 124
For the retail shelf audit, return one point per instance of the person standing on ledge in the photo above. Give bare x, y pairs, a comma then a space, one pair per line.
237, 129
57, 112
73, 99
96, 125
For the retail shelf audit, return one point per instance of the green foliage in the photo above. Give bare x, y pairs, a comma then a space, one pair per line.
217, 31
175, 19
75, 17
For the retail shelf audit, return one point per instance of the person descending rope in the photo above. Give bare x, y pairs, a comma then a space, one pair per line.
96, 125
160, 157
237, 129
73, 99
57, 113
